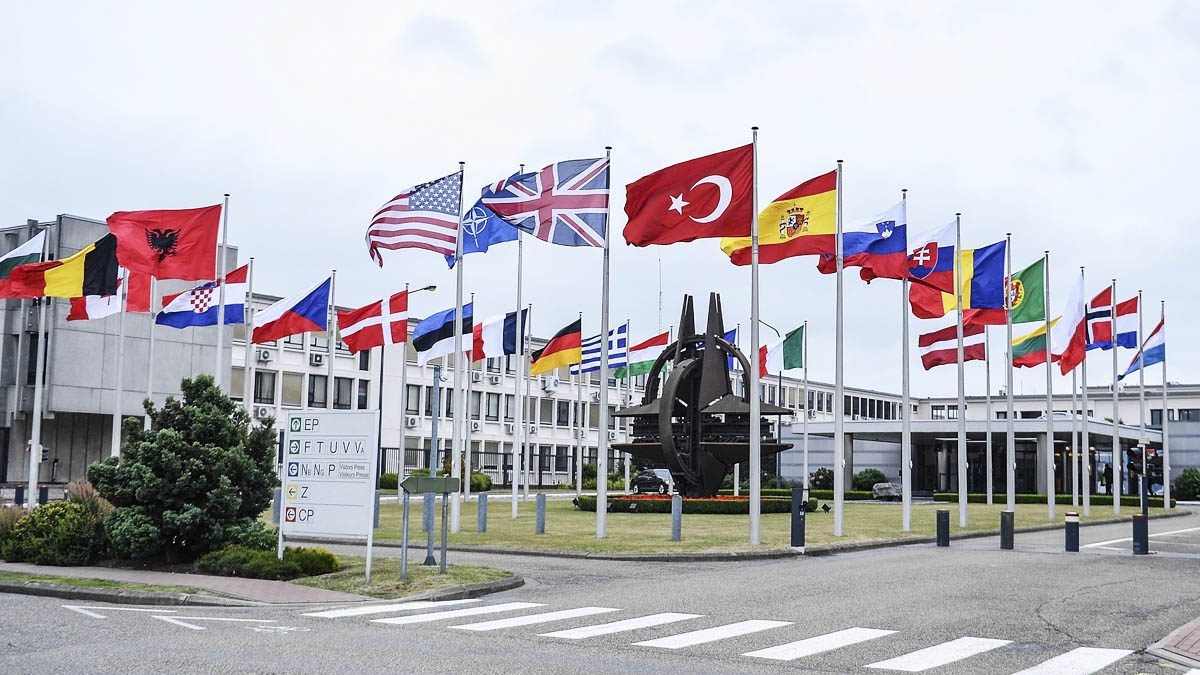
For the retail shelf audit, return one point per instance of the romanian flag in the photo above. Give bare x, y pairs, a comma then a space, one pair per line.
982, 273
801, 221
92, 271
564, 349
1029, 351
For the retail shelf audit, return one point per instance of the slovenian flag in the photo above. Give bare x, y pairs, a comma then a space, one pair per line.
198, 307
878, 245
303, 312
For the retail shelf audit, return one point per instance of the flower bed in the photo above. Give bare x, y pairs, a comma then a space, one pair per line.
723, 504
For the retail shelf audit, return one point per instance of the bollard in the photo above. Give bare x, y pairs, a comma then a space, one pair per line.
43, 494
799, 508
276, 503
1072, 532
376, 525
1006, 530
404, 538
1141, 534
676, 518
539, 526
427, 523
445, 504
943, 528
482, 527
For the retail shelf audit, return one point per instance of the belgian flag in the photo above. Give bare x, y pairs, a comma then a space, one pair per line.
564, 349
92, 271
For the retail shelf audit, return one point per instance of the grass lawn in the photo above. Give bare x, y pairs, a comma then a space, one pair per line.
385, 577
98, 583
570, 530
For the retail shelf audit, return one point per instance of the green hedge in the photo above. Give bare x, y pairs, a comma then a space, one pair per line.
240, 561
58, 533
826, 495
710, 506
999, 498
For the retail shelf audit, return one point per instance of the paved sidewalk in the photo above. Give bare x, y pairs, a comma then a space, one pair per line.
259, 590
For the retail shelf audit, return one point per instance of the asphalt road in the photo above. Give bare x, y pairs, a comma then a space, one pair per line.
994, 611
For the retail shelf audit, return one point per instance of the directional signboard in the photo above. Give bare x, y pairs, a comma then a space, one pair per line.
329, 466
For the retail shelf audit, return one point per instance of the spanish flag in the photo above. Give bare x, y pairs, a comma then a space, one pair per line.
801, 221
564, 349
92, 271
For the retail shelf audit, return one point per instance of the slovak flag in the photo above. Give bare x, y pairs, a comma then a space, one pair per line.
198, 307
931, 259
304, 312
878, 245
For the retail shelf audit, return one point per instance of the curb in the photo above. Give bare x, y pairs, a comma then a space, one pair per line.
469, 590
1161, 650
774, 554
121, 597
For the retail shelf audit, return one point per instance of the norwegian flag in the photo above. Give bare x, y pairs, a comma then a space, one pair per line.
383, 322
1100, 322
565, 203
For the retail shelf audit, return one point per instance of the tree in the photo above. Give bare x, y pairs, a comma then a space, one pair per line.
1187, 486
199, 470
867, 478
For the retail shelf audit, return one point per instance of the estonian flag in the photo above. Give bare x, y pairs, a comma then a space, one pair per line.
434, 336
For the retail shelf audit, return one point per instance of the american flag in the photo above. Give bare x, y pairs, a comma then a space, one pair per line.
565, 203
424, 216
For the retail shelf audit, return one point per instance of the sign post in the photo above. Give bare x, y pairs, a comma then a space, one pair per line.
427, 485
330, 463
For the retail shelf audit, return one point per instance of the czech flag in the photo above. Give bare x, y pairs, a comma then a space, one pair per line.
304, 312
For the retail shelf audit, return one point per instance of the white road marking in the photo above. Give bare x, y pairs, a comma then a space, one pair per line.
621, 626
455, 613
544, 617
818, 644
382, 609
1079, 661
178, 620
83, 609
698, 637
1156, 534
940, 655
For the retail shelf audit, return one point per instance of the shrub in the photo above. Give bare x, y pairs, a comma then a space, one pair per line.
418, 472
82, 492
253, 534
389, 481
58, 533
589, 471
312, 561
131, 534
200, 468
480, 482
821, 478
1187, 486
9, 515
867, 478
826, 495
239, 561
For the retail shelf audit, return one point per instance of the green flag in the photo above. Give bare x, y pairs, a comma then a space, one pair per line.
1028, 293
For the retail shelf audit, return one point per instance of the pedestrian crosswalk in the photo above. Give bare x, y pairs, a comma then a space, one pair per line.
450, 614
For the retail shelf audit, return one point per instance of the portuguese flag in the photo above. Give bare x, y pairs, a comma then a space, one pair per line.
29, 252
642, 356
1030, 351
1027, 293
564, 349
92, 271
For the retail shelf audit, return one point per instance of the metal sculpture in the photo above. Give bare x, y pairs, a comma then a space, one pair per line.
690, 421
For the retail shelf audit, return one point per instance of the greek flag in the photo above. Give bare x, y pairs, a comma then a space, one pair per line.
618, 351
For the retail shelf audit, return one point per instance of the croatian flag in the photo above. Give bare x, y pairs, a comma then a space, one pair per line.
878, 245
304, 312
198, 307
496, 336
1154, 350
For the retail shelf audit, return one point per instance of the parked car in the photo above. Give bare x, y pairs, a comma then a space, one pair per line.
652, 480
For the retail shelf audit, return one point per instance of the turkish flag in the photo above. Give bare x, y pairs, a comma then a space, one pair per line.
700, 198
383, 322
168, 244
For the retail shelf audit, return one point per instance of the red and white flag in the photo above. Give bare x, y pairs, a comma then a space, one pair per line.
941, 346
1100, 322
423, 216
708, 196
384, 322
1068, 337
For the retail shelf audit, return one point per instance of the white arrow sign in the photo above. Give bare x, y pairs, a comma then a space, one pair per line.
84, 609
178, 620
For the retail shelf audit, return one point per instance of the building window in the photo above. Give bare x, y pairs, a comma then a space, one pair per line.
237, 383
343, 392
264, 386
937, 412
412, 399
510, 362
319, 342
612, 418
294, 341
364, 389
509, 407
448, 401
1001, 414
317, 394
293, 389
364, 359
546, 410
492, 412
952, 412
476, 398
560, 458
1185, 415
563, 416
492, 365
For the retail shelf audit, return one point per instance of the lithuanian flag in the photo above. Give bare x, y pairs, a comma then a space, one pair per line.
801, 221
564, 349
1029, 351
92, 271
29, 252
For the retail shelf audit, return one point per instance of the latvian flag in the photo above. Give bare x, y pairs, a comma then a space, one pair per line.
941, 346
383, 322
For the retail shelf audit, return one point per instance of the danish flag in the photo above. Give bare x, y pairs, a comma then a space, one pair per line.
565, 203
383, 322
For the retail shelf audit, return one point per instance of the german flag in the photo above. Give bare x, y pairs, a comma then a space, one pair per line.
564, 349
92, 271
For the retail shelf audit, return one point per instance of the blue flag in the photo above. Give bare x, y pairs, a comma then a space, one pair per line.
481, 228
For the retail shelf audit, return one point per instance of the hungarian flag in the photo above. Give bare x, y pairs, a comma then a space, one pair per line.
168, 244
564, 349
1027, 295
92, 271
782, 354
383, 322
941, 346
29, 252
709, 196
801, 221
1029, 350
642, 356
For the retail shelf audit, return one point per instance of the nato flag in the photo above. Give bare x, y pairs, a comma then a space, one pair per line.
481, 228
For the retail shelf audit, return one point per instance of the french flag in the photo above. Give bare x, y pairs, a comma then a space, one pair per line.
878, 245
304, 312
497, 336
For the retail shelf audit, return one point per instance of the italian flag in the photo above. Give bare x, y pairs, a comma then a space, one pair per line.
29, 252
642, 356
1029, 351
782, 354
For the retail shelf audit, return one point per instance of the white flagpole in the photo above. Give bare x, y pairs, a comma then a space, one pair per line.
1085, 453
839, 412
906, 462
219, 275
625, 401
457, 423
1074, 439
1010, 457
579, 430
331, 332
1166, 453
35, 440
807, 410
1049, 396
755, 403
1141, 356
602, 435
403, 390
122, 295
1116, 464
962, 395
737, 468
469, 362
987, 379
150, 352
248, 320
522, 359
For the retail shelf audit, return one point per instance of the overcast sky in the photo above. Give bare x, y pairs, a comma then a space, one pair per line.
1070, 124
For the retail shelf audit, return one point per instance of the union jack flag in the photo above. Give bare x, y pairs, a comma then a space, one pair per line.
565, 203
